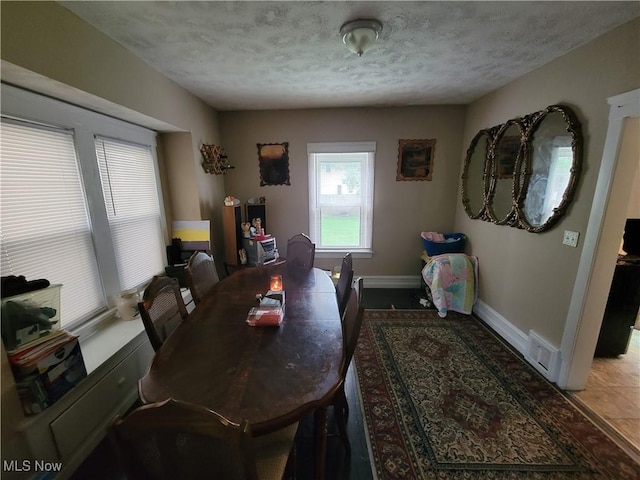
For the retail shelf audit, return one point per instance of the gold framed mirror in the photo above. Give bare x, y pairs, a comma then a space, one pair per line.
551, 170
475, 179
505, 157
524, 172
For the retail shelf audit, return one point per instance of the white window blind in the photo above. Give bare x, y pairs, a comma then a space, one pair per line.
341, 195
133, 209
45, 228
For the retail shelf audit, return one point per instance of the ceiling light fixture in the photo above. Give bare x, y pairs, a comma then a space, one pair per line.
359, 35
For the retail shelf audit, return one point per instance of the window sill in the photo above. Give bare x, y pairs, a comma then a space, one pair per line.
106, 335
107, 339
364, 253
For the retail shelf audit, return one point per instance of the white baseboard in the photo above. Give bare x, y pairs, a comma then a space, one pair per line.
515, 337
391, 281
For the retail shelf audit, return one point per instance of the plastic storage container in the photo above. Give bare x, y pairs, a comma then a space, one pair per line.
30, 316
453, 243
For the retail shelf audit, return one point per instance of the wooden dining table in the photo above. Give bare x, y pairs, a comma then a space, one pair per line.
270, 376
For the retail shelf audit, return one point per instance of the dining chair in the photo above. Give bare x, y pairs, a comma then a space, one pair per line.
358, 288
343, 287
177, 440
301, 251
351, 323
162, 309
201, 275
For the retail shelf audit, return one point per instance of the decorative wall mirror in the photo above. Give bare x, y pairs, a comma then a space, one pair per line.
474, 176
524, 173
552, 167
505, 157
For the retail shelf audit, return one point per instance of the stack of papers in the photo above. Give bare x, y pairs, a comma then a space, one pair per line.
265, 316
32, 354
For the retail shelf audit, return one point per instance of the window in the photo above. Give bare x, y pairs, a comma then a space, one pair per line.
45, 227
133, 210
79, 202
341, 196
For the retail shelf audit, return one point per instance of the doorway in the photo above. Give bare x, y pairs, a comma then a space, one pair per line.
601, 245
612, 390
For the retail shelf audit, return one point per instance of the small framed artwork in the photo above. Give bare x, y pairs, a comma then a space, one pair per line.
273, 161
415, 159
506, 154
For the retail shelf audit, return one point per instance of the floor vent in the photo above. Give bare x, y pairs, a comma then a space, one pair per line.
542, 355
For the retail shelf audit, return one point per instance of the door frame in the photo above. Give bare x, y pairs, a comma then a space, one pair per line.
597, 260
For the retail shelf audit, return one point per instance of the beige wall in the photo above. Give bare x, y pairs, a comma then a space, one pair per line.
528, 278
401, 209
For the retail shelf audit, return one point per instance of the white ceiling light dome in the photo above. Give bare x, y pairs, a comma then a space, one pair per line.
359, 35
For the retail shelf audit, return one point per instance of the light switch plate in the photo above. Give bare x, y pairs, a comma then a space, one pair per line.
570, 238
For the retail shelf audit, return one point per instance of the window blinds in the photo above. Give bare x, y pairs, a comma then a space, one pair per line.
133, 209
45, 229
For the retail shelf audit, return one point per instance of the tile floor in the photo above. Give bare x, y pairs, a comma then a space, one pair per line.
613, 392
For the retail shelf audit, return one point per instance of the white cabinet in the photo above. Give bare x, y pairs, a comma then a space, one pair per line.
71, 428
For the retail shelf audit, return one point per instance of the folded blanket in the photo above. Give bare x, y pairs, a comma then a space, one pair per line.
453, 280
433, 236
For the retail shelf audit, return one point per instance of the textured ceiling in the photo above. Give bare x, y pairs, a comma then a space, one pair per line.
279, 55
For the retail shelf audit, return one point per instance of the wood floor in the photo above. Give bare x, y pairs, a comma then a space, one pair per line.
612, 397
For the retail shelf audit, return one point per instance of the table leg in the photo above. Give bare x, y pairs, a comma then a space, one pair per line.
320, 429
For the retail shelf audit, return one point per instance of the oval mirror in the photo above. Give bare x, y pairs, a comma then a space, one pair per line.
504, 165
474, 177
552, 167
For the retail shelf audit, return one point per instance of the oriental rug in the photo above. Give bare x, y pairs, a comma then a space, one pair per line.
447, 399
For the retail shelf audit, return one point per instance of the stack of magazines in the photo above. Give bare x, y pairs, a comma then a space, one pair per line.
46, 369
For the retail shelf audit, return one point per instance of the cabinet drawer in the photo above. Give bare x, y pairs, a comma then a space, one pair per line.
73, 426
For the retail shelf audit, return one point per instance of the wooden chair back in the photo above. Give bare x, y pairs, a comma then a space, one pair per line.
358, 288
176, 440
202, 275
301, 251
351, 324
162, 309
343, 288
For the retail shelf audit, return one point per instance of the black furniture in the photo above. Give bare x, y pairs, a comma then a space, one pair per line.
622, 308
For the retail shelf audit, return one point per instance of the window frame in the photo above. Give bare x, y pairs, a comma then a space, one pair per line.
313, 149
86, 125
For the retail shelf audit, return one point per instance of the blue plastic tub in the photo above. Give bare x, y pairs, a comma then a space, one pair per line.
453, 243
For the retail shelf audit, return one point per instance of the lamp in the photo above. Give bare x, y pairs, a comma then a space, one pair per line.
359, 35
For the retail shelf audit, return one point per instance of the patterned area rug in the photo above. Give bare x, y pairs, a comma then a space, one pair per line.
446, 399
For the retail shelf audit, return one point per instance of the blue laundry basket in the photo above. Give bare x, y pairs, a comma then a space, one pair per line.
453, 243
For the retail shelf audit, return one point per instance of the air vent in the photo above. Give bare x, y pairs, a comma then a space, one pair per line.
542, 355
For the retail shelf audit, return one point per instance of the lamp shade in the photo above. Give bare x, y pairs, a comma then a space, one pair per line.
359, 35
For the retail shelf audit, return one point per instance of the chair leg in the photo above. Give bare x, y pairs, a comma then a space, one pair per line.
341, 411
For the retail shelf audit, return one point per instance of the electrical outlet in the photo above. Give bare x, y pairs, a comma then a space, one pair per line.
570, 238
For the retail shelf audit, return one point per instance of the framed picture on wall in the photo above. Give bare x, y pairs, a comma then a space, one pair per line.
273, 162
415, 159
